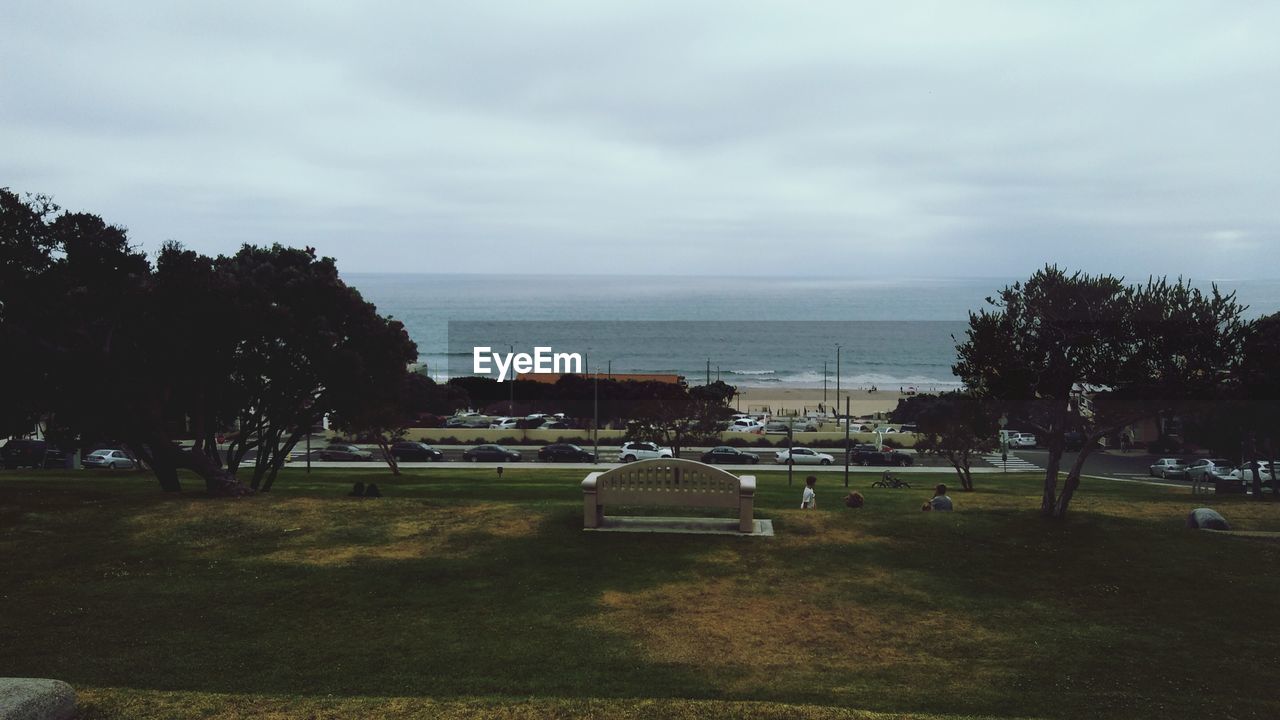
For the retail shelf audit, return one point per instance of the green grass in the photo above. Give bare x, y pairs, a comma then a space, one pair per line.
460, 594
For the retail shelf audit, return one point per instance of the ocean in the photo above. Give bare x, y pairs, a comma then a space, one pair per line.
754, 331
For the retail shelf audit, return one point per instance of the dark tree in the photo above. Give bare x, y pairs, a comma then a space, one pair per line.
112, 348
954, 425
1092, 354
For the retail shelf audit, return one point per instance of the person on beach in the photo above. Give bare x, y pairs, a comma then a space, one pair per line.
809, 501
941, 502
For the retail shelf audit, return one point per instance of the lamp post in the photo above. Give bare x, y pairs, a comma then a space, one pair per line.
837, 374
1004, 444
595, 417
846, 440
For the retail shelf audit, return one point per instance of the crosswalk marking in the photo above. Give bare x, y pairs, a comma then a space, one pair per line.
1015, 463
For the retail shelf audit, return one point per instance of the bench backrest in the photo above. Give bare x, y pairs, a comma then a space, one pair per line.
668, 481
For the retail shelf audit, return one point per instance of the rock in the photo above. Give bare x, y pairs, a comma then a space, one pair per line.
36, 699
1206, 519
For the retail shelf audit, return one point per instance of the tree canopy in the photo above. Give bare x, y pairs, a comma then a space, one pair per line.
1092, 354
113, 348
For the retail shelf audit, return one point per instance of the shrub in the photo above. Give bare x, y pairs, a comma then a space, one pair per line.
763, 442
737, 442
890, 442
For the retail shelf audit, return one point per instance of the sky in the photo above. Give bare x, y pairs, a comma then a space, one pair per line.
929, 139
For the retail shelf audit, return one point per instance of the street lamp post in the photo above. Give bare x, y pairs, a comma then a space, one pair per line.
837, 374
1004, 444
846, 440
595, 415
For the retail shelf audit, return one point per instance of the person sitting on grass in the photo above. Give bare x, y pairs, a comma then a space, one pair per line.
940, 500
357, 490
809, 501
854, 500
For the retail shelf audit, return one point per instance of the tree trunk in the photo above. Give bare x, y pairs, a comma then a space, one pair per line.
1273, 467
968, 476
282, 453
1049, 500
1073, 478
955, 464
386, 453
164, 468
1253, 460
217, 480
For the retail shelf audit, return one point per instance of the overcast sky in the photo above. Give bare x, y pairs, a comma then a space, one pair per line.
924, 139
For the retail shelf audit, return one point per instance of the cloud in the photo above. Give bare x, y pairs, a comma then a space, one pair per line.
828, 138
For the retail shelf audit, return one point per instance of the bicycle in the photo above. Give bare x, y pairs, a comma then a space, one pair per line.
889, 481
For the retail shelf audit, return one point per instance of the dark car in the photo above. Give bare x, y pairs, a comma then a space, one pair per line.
873, 455
32, 454
415, 452
490, 453
344, 452
1073, 441
564, 452
729, 455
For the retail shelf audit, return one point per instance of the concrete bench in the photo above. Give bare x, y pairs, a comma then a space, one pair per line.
668, 482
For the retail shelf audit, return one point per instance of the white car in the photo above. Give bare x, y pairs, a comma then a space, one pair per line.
504, 424
1021, 439
1208, 470
746, 425
110, 459
1168, 467
802, 456
1246, 473
632, 451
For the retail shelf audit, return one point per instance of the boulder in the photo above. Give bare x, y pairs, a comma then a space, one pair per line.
1206, 519
36, 699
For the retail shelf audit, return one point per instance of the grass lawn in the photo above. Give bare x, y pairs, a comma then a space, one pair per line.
461, 594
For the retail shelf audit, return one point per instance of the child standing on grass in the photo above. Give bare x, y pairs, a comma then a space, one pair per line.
809, 501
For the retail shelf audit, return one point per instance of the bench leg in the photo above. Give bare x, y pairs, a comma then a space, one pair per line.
591, 512
746, 514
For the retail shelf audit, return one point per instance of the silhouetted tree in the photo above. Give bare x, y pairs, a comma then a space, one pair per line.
1093, 354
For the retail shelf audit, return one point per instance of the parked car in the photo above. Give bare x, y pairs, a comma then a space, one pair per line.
729, 455
564, 452
553, 424
406, 451
642, 451
505, 424
874, 455
109, 459
1022, 440
32, 454
802, 456
1245, 472
1210, 469
491, 453
1169, 468
746, 425
1073, 441
344, 452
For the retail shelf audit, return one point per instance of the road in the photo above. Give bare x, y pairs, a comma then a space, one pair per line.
1112, 465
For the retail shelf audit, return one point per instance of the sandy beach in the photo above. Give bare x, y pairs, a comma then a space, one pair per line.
862, 403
